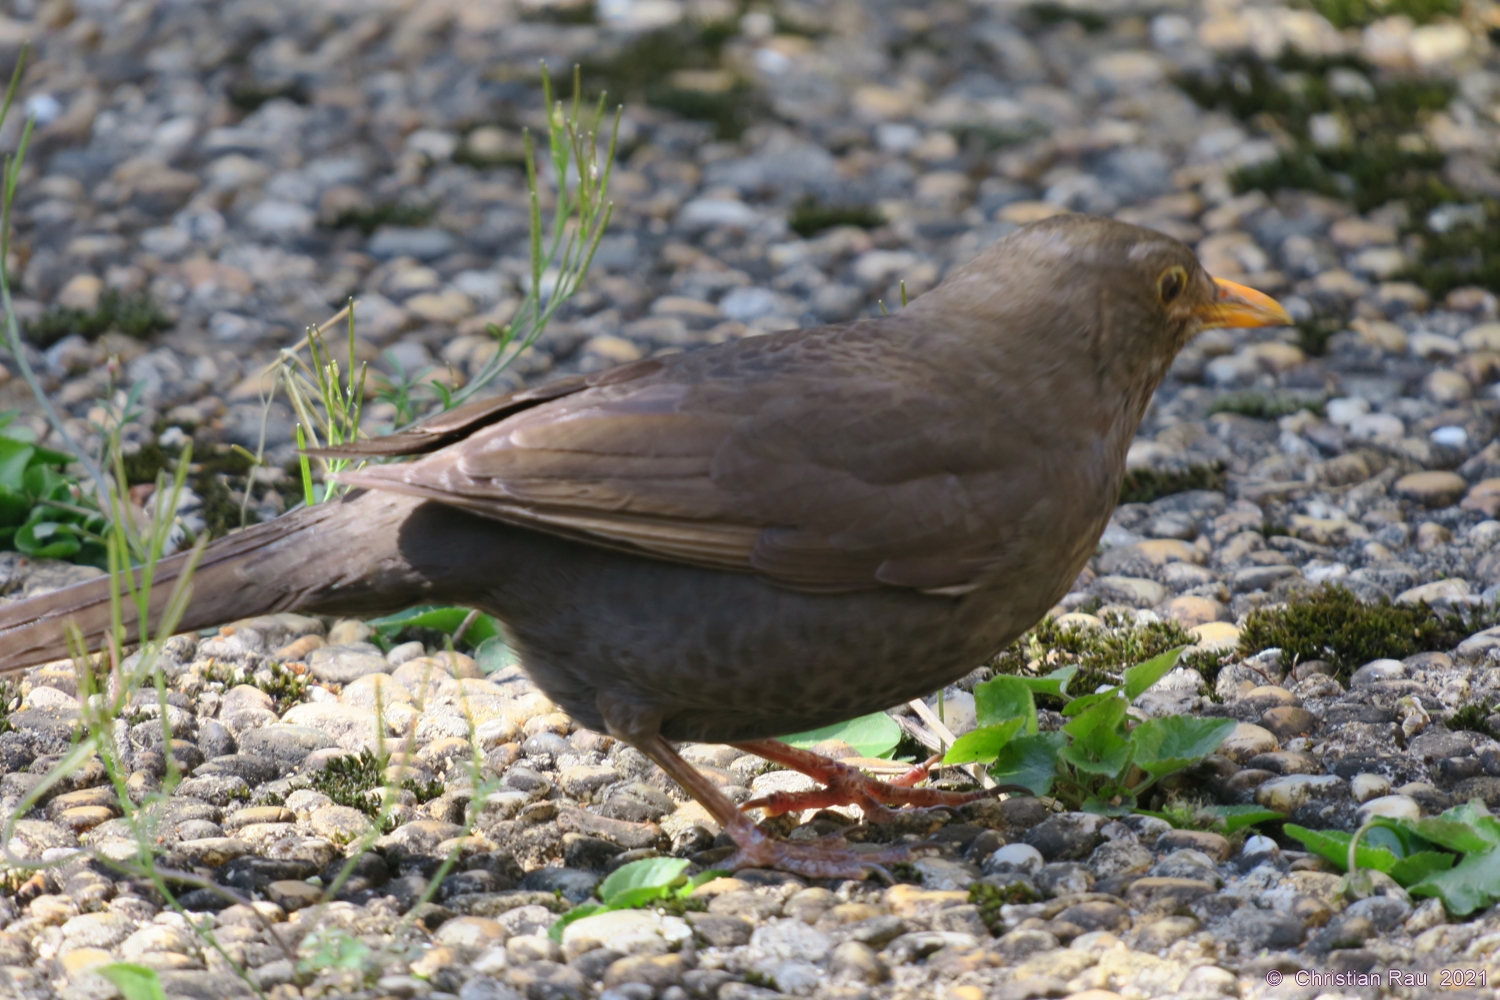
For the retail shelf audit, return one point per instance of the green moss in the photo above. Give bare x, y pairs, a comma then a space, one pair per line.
991, 898
1314, 334
349, 780
10, 701
1456, 254
1146, 485
135, 316
729, 111
1331, 624
1101, 654
1472, 716
1047, 15
578, 13
387, 213
1267, 405
248, 95
1384, 163
285, 687
811, 216
1358, 13
642, 69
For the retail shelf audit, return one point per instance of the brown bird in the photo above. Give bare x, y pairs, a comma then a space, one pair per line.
762, 537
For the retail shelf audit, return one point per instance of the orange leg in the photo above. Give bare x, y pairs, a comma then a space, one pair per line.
848, 785
826, 858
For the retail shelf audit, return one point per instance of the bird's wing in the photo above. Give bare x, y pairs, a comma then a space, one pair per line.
822, 463
445, 428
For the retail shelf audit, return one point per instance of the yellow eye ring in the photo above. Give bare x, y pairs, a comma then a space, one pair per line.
1172, 283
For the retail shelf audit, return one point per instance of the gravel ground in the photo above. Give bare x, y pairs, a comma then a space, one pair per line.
248, 166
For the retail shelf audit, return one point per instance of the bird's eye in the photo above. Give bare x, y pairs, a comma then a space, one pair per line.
1171, 284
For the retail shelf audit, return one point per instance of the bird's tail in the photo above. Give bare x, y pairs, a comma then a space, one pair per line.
345, 552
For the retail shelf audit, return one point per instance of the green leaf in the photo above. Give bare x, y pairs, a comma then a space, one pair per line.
1236, 818
555, 932
135, 982
494, 655
1411, 870
1466, 828
1002, 699
1139, 678
47, 540
1333, 845
1055, 683
983, 744
15, 507
872, 735
1163, 746
440, 618
641, 881
1029, 761
1102, 715
1472, 885
1098, 746
14, 458
701, 878
1083, 703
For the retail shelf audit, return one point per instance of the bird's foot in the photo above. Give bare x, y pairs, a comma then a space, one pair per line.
826, 857
846, 785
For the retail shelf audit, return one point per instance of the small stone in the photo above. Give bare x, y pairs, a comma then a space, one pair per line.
1286, 794
1135, 591
1246, 741
1432, 488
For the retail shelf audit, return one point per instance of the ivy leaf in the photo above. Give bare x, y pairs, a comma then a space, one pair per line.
640, 882
1029, 761
1004, 698
1139, 678
983, 744
873, 735
1164, 746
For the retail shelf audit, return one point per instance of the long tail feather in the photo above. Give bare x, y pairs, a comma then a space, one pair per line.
344, 552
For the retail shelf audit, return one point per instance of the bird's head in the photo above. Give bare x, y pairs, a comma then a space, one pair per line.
1127, 297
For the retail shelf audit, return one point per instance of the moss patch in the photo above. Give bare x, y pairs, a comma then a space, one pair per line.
349, 780
1358, 13
1331, 624
1456, 234
1101, 654
811, 216
1267, 405
1146, 485
136, 316
285, 687
208, 477
642, 70
389, 213
1048, 15
992, 898
1473, 717
249, 95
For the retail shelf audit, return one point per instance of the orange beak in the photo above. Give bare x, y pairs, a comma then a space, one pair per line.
1237, 305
